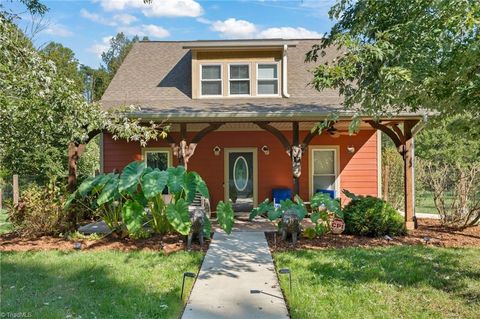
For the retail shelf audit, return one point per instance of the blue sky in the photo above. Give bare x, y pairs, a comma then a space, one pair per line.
86, 26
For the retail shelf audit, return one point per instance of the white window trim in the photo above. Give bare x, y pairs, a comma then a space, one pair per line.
167, 150
336, 150
211, 80
258, 79
249, 79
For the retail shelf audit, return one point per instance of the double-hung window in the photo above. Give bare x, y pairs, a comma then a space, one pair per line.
157, 158
267, 79
324, 169
239, 79
211, 78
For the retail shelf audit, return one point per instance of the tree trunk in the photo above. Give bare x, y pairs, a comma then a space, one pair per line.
74, 152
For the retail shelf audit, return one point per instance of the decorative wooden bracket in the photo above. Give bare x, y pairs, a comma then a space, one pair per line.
279, 135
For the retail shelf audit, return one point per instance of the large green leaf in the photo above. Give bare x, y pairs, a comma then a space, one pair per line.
201, 185
175, 179
265, 207
70, 199
274, 214
109, 192
225, 216
322, 199
101, 182
207, 227
133, 216
300, 207
131, 176
86, 187
190, 186
178, 217
154, 183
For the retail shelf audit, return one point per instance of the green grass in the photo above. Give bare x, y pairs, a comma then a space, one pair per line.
395, 282
109, 284
5, 226
425, 204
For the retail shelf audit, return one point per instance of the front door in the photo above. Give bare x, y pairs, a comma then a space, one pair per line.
241, 178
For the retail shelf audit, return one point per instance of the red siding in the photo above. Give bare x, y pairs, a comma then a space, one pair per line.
358, 171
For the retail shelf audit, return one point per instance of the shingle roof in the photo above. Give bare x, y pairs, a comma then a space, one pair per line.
157, 77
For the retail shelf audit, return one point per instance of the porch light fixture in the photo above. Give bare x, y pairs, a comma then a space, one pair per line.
351, 149
186, 274
217, 150
285, 271
265, 149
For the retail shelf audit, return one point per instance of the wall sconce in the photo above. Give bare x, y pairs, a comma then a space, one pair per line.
351, 149
217, 150
265, 149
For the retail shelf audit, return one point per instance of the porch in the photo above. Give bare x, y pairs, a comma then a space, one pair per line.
276, 153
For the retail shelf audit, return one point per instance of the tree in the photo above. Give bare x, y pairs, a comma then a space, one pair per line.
95, 82
41, 110
404, 55
66, 63
449, 158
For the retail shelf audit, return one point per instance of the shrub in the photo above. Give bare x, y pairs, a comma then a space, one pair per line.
371, 216
40, 211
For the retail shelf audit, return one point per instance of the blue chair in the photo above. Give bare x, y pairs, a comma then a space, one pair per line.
279, 194
326, 191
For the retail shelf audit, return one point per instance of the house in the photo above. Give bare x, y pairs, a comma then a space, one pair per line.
241, 115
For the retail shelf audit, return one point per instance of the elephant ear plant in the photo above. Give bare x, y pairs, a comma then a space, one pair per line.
142, 196
289, 213
322, 204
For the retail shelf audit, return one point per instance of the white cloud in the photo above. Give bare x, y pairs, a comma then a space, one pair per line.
157, 8
118, 19
58, 30
242, 29
149, 30
288, 33
124, 18
234, 29
100, 47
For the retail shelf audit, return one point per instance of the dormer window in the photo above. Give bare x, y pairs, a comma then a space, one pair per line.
267, 79
211, 80
239, 79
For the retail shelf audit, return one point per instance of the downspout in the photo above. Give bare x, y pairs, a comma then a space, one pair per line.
284, 72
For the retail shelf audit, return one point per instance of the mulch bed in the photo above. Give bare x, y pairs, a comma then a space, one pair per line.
432, 230
429, 233
167, 244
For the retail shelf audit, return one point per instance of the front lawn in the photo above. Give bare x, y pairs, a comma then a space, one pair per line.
394, 282
108, 284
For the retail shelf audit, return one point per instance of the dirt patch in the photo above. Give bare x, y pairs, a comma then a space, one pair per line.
167, 244
429, 232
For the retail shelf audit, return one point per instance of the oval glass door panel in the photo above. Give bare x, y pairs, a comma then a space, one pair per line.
240, 173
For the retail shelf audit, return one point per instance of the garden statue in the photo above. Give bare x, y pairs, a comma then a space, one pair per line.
290, 225
197, 217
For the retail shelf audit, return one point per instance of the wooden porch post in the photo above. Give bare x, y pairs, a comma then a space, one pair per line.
295, 143
408, 182
404, 143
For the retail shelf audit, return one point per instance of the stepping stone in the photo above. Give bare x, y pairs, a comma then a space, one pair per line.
95, 228
234, 266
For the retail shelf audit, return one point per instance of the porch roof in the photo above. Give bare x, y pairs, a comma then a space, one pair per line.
234, 110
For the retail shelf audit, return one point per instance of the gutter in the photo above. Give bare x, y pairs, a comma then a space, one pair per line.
284, 72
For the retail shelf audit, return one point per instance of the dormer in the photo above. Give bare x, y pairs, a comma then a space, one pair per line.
239, 68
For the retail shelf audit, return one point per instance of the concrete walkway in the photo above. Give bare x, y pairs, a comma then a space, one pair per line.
234, 265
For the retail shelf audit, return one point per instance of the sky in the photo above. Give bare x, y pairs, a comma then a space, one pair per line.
86, 26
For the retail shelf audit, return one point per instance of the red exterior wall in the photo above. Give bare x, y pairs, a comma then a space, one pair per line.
357, 172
